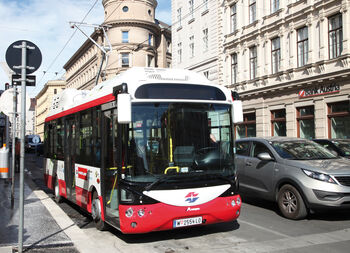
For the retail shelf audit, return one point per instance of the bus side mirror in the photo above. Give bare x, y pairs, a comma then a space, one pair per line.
124, 108
237, 111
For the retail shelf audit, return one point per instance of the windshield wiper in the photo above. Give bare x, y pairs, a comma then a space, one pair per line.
158, 181
227, 179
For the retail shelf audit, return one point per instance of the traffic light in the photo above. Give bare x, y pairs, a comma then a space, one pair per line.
7, 86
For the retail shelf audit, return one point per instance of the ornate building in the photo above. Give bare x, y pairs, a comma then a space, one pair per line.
197, 36
289, 61
136, 39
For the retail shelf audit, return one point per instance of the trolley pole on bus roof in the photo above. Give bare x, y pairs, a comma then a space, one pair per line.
14, 57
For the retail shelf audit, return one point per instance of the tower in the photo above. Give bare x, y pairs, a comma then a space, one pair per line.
134, 33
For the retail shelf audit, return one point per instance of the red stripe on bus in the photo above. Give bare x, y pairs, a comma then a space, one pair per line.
96, 102
62, 188
82, 197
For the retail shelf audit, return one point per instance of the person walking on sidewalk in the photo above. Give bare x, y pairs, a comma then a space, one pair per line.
17, 154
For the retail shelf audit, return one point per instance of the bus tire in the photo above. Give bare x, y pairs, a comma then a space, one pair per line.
58, 197
96, 212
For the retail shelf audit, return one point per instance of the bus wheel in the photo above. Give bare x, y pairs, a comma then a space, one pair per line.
96, 212
58, 198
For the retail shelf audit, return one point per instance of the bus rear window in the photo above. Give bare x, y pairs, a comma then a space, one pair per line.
179, 91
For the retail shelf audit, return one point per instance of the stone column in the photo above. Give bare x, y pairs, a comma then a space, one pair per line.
320, 118
291, 122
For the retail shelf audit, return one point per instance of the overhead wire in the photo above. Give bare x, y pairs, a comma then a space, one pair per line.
62, 71
64, 47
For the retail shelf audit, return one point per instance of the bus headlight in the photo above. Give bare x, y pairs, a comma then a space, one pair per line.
233, 203
129, 212
238, 201
141, 212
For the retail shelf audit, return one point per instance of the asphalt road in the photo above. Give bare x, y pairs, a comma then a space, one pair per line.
260, 228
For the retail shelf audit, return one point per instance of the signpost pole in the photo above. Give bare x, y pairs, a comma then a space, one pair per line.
23, 129
14, 145
23, 64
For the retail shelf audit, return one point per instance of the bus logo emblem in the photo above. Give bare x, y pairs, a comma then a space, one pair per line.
191, 197
82, 173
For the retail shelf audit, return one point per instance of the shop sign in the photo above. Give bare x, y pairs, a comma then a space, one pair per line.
320, 90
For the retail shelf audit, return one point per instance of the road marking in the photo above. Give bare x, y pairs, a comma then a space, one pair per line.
263, 228
291, 242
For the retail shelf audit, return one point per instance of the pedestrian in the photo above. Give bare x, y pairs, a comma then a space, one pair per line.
17, 154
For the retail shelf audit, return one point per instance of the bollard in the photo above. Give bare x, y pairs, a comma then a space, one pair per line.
4, 163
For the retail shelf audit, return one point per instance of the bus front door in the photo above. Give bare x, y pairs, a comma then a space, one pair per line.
110, 166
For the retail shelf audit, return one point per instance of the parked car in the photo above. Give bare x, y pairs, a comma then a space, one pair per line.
300, 175
340, 146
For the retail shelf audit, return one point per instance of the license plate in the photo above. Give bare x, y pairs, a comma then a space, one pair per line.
187, 222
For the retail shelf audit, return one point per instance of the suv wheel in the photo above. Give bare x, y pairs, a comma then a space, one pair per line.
290, 203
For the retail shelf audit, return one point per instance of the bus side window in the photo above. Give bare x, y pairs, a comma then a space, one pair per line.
110, 135
97, 136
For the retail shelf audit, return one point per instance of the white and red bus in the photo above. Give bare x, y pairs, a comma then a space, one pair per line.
151, 149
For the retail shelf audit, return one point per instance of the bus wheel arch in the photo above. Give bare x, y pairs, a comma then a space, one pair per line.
97, 210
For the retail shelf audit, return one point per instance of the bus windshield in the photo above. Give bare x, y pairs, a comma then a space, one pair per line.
170, 140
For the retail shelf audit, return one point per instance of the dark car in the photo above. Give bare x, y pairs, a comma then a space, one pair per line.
340, 146
31, 142
299, 174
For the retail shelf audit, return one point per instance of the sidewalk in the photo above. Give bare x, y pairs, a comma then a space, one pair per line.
41, 233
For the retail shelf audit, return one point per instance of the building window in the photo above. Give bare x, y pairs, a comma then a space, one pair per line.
252, 11
275, 5
168, 46
339, 120
234, 67
150, 61
335, 36
303, 46
150, 38
125, 36
247, 128
191, 7
205, 2
205, 39
206, 74
179, 52
234, 17
125, 9
253, 60
125, 60
276, 54
55, 91
191, 46
305, 122
278, 123
179, 16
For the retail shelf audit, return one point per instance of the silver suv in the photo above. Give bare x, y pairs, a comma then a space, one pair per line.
298, 174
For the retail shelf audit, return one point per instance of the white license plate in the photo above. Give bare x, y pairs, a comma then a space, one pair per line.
187, 222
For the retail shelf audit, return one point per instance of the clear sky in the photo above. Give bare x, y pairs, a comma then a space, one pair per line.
46, 24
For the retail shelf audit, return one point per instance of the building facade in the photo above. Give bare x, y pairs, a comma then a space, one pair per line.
136, 39
197, 37
43, 103
289, 61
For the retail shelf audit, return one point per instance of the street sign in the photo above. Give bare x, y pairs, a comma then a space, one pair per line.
14, 57
6, 100
30, 80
